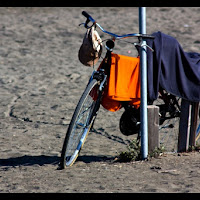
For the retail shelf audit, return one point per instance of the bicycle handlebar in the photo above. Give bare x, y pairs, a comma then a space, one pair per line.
139, 35
88, 16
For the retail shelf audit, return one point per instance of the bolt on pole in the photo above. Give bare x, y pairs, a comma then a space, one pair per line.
143, 79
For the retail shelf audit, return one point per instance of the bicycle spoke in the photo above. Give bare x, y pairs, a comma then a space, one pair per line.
79, 126
169, 120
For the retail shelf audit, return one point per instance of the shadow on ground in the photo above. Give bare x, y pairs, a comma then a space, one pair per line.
29, 160
89, 159
44, 160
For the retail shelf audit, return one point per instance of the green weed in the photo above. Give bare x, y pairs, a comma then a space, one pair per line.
133, 152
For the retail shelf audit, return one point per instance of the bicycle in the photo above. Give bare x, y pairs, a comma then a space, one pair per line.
87, 108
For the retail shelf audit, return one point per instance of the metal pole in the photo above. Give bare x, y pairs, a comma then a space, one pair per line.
143, 78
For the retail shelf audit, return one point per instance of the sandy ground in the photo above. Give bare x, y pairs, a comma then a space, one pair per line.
41, 80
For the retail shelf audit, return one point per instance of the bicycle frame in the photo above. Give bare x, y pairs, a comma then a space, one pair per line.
101, 73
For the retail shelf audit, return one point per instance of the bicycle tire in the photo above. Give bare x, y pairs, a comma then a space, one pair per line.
198, 128
77, 131
197, 133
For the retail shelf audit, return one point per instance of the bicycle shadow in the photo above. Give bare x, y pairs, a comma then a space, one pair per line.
90, 158
42, 160
102, 132
27, 160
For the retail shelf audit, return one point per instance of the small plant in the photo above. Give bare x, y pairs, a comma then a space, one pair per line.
194, 148
191, 148
132, 154
157, 152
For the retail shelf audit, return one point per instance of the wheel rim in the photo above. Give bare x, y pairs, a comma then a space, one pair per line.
80, 130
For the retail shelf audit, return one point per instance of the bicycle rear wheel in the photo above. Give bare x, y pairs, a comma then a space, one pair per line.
80, 124
198, 130
169, 111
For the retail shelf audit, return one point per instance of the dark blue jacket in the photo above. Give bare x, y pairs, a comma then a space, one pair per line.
176, 71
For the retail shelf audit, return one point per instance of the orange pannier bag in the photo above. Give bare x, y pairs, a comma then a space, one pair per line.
123, 83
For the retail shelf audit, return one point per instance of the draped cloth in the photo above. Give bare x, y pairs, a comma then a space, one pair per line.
123, 83
176, 71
